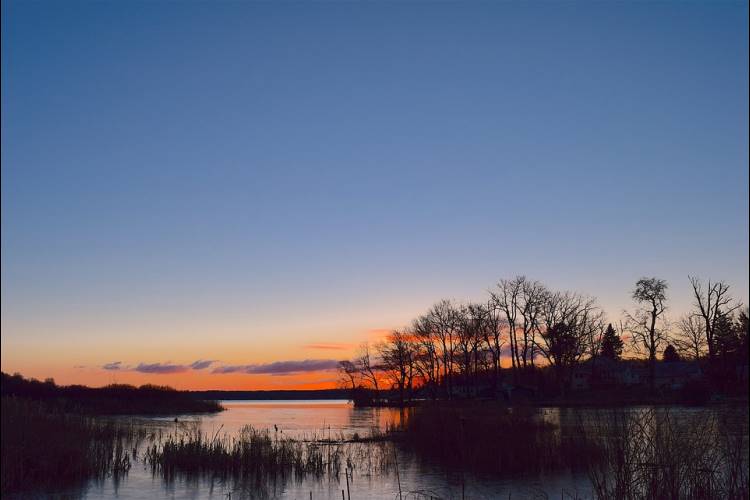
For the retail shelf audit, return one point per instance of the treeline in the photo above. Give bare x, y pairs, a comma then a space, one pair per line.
111, 399
457, 349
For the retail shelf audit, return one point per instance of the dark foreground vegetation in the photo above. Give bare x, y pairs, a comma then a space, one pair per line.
53, 437
630, 454
110, 400
44, 447
661, 453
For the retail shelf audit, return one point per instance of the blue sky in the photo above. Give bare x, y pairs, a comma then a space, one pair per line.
243, 179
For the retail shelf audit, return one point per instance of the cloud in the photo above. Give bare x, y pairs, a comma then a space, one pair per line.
202, 364
280, 367
332, 347
159, 368
275, 368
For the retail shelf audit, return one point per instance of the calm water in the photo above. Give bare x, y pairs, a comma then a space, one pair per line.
309, 419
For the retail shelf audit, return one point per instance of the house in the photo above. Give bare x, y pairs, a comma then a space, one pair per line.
603, 372
465, 391
580, 380
675, 375
606, 372
513, 393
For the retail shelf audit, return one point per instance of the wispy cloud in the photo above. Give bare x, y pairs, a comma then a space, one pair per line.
280, 367
331, 347
202, 364
275, 368
159, 368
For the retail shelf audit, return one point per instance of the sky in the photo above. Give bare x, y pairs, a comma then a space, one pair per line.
233, 195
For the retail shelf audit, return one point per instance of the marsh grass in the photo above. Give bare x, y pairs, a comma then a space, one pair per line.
43, 447
662, 453
260, 457
252, 453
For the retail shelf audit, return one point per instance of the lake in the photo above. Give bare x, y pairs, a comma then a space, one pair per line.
307, 420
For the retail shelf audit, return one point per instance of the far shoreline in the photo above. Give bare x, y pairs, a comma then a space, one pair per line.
580, 400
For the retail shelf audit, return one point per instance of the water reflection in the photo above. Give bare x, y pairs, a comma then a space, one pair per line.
301, 419
371, 478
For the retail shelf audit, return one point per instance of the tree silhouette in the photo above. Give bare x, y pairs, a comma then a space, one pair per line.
644, 324
742, 326
611, 344
690, 340
670, 354
349, 373
726, 340
712, 302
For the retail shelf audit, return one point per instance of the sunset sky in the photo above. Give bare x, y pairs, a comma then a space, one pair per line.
235, 195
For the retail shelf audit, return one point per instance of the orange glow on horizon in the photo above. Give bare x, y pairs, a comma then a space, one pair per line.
188, 380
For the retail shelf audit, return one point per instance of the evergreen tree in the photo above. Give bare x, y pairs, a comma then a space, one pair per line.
611, 344
670, 354
728, 342
742, 326
729, 350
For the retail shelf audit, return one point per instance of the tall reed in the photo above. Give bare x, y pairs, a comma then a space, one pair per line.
668, 454
252, 454
43, 447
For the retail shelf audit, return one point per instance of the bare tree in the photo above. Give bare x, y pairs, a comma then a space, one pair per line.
532, 295
470, 323
443, 319
349, 374
367, 365
690, 339
426, 359
567, 323
711, 303
493, 337
647, 323
397, 355
506, 298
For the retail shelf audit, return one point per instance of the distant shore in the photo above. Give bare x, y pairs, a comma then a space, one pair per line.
109, 400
